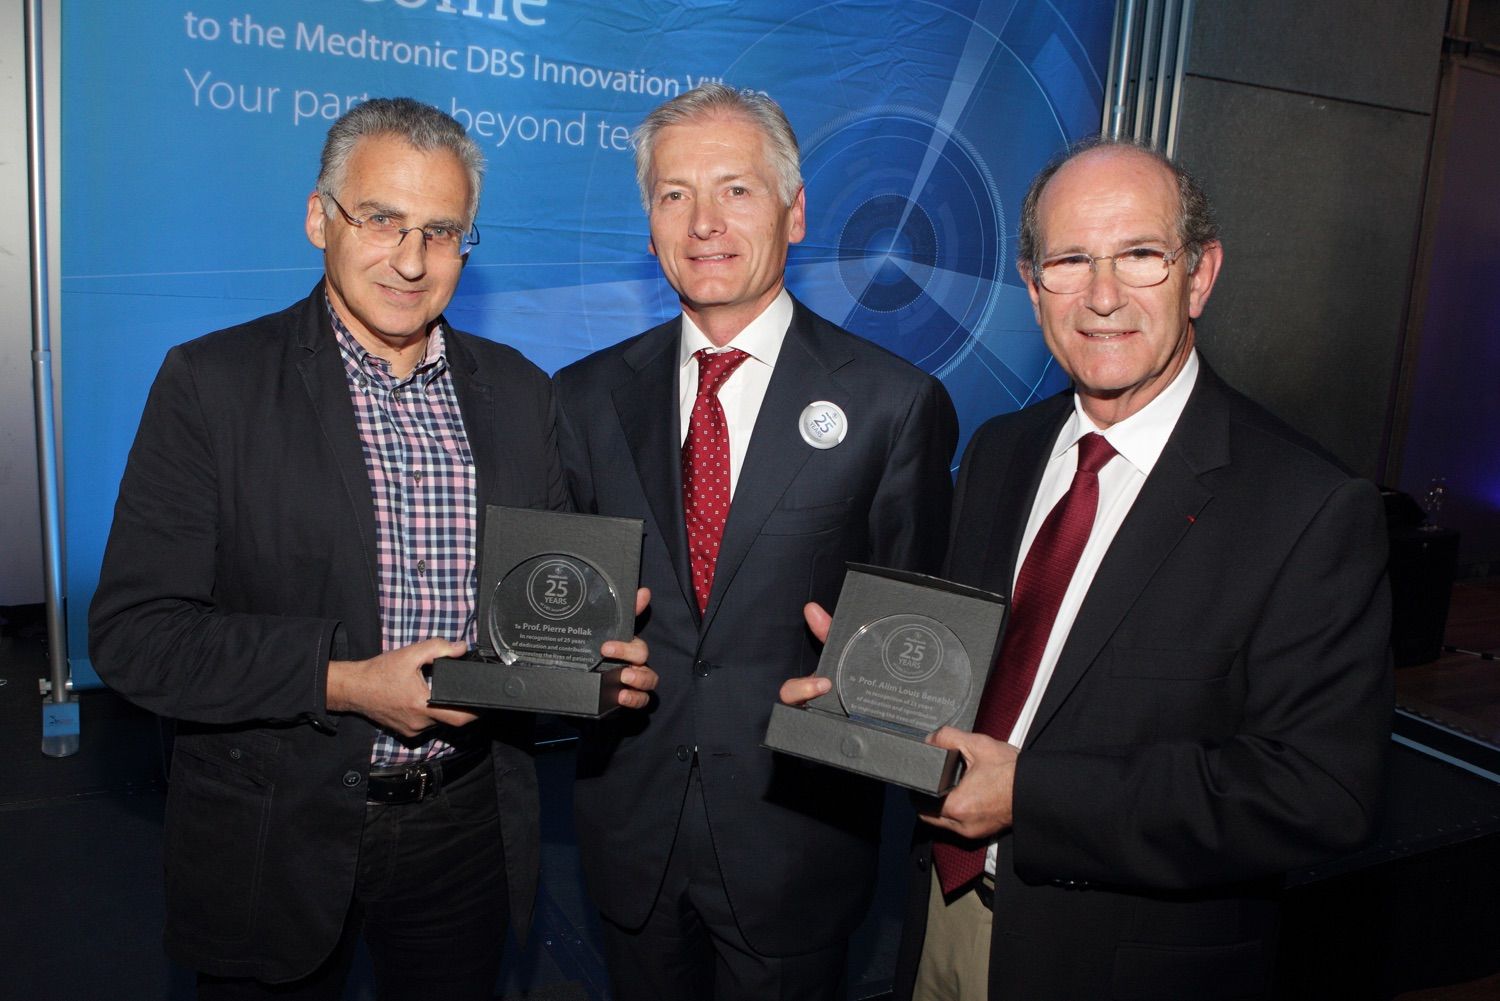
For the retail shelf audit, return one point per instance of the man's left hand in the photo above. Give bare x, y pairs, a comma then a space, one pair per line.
980, 805
638, 679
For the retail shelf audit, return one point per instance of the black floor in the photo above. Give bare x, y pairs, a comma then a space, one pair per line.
81, 905
80, 862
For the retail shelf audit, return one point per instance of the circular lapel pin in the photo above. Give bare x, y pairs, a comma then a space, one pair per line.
823, 424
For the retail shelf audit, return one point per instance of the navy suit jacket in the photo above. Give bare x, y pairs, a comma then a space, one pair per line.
243, 544
1218, 715
796, 842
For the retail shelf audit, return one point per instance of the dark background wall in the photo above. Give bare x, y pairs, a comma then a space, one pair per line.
1309, 124
1351, 153
1448, 418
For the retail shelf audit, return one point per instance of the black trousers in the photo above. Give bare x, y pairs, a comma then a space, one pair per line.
691, 949
429, 898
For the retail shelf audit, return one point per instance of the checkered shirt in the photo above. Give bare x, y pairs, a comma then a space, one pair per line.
422, 480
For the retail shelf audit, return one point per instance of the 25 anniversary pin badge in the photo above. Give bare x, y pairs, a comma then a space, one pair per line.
823, 424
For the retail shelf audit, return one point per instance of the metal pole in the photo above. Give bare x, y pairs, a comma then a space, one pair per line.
59, 709
1163, 68
1117, 85
1184, 32
1150, 45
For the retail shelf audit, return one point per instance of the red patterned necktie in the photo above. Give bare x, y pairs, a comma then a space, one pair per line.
705, 469
1039, 591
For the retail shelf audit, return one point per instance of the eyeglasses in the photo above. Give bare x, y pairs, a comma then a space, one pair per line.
382, 231
1138, 267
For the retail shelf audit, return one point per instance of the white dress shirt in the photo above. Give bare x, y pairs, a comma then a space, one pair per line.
743, 392
1139, 440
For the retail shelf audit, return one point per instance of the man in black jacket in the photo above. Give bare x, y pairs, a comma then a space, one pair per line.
1198, 698
294, 541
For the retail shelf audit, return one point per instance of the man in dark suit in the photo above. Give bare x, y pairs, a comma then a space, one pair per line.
294, 541
724, 871
1193, 694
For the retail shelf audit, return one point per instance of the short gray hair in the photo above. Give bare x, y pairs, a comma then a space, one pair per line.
1196, 227
419, 125
710, 99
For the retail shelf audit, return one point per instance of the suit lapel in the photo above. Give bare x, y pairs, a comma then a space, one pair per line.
321, 370
777, 453
1163, 513
1008, 524
647, 407
476, 405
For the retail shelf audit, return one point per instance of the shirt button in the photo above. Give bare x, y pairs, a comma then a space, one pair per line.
683, 753
417, 476
351, 779
421, 568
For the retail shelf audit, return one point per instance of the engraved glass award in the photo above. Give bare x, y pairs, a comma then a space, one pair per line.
907, 654
553, 588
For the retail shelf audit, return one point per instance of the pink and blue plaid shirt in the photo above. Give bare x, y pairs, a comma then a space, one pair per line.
423, 484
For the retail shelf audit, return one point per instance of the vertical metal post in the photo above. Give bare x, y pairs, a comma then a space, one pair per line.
1150, 45
1184, 29
1165, 57
1148, 57
1117, 82
60, 730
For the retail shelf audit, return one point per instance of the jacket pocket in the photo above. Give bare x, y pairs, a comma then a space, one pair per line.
806, 520
218, 810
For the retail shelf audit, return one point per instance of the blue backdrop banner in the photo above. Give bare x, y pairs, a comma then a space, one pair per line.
191, 133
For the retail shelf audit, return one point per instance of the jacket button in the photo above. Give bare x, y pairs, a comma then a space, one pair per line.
921, 865
701, 668
235, 754
351, 779
683, 753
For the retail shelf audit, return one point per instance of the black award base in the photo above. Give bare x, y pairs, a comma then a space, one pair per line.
867, 750
524, 687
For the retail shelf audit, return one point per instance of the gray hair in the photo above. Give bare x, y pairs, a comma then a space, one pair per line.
710, 99
1196, 227
419, 125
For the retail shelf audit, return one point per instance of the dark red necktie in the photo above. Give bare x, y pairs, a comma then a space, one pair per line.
1039, 590
705, 469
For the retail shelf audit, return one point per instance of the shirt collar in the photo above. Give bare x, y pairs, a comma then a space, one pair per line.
761, 339
1142, 436
434, 358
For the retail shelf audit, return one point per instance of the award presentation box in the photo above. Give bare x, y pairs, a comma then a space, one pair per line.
907, 654
552, 588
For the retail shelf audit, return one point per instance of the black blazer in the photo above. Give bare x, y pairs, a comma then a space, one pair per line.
243, 539
796, 842
1218, 716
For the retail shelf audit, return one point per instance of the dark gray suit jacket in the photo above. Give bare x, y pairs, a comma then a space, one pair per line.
1218, 716
243, 539
796, 842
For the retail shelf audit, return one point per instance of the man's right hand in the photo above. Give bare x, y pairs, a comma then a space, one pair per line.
391, 691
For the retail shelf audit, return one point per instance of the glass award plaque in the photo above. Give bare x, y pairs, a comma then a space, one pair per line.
553, 588
907, 654
906, 671
553, 608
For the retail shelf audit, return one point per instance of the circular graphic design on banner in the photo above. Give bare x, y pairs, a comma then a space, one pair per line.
552, 609
908, 671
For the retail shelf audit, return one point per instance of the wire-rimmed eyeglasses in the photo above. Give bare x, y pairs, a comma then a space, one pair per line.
382, 231
1138, 267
